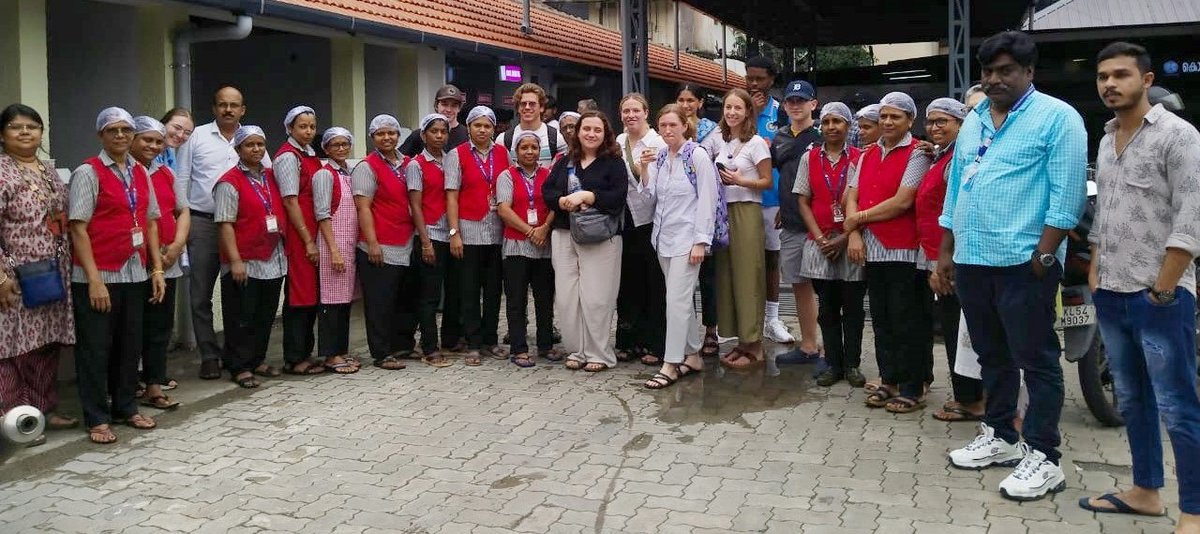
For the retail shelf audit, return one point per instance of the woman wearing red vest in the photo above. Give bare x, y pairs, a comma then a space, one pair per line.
476, 231
294, 165
387, 215
821, 178
425, 176
112, 209
879, 203
173, 223
527, 250
251, 223
943, 118
337, 224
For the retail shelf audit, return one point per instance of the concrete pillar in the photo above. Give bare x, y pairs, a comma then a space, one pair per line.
156, 26
23, 44
349, 89
423, 71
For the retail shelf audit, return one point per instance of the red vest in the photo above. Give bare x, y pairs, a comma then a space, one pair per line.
433, 189
930, 197
111, 228
520, 201
164, 192
474, 191
254, 242
389, 208
822, 199
878, 180
336, 200
309, 165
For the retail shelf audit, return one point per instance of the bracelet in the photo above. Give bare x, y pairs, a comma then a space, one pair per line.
158, 271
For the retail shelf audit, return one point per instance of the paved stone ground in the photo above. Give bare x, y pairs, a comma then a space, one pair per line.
501, 449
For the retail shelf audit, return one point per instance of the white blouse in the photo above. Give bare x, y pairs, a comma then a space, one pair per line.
683, 213
742, 157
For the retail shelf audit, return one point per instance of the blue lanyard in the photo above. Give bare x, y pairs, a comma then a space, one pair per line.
825, 169
396, 170
984, 144
487, 173
528, 180
131, 192
258, 191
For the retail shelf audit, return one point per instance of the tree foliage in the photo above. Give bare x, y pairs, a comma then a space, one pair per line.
828, 57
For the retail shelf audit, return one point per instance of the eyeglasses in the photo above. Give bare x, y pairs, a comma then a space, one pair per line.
527, 104
939, 123
175, 128
18, 128
123, 130
337, 146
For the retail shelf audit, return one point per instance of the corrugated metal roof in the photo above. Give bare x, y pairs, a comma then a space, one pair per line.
1075, 14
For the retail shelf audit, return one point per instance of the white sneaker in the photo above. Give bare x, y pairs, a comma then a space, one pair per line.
985, 451
1033, 478
775, 330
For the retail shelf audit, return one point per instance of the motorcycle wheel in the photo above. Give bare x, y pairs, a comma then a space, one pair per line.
1097, 384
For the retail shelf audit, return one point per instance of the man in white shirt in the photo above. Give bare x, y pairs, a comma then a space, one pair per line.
206, 156
530, 101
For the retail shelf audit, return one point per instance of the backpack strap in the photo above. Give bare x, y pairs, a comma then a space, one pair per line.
552, 139
508, 137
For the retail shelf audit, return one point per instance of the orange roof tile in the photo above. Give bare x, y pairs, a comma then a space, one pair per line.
497, 23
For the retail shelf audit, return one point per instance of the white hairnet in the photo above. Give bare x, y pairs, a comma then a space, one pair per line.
144, 124
948, 106
870, 113
900, 101
837, 109
383, 122
334, 132
245, 132
481, 111
296, 112
111, 116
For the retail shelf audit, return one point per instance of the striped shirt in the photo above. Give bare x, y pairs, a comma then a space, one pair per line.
364, 184
287, 170
918, 165
225, 197
490, 229
322, 185
83, 192
1033, 175
516, 247
439, 230
176, 269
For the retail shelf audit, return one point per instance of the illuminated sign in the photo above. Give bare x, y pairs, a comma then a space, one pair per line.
510, 73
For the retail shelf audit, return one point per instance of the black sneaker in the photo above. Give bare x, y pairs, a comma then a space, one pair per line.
855, 377
829, 377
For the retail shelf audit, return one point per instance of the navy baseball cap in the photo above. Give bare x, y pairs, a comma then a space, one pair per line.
800, 89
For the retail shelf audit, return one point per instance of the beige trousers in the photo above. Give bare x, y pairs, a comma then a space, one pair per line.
683, 330
586, 279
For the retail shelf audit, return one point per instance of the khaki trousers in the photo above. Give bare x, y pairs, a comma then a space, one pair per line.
683, 329
586, 281
741, 282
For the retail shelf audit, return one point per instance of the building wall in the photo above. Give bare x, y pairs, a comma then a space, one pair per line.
886, 53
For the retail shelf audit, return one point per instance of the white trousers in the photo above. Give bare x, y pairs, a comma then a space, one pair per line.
683, 329
586, 280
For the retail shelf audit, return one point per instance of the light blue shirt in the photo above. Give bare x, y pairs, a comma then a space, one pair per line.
1033, 175
768, 125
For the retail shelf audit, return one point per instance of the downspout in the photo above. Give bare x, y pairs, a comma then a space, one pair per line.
183, 52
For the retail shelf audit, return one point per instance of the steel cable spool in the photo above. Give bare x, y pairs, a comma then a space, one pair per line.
22, 425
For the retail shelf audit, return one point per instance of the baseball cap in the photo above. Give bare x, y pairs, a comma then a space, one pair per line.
450, 91
800, 89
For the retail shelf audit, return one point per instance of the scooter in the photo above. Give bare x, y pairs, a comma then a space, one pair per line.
19, 427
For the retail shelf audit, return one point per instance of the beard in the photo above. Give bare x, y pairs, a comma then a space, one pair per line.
1128, 101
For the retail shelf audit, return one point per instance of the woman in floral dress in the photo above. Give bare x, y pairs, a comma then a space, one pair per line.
33, 204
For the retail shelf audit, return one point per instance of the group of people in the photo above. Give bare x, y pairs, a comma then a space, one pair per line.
595, 221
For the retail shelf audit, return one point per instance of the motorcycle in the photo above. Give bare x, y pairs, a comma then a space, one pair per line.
19, 427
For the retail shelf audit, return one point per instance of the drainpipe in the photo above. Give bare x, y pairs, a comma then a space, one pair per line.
183, 52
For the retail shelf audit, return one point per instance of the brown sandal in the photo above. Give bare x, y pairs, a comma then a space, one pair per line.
161, 402
904, 405
102, 435
741, 355
880, 397
140, 422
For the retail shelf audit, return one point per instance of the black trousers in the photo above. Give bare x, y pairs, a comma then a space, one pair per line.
433, 286
841, 316
298, 336
482, 281
333, 330
390, 317
899, 323
708, 292
520, 274
107, 349
157, 322
249, 313
642, 297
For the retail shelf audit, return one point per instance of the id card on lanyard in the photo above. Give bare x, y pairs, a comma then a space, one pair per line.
531, 215
137, 236
839, 216
487, 174
986, 142
264, 195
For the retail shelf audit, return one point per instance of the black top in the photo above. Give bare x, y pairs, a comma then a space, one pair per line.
786, 151
414, 145
605, 177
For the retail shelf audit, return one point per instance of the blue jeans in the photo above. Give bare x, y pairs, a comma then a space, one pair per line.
1010, 317
1152, 355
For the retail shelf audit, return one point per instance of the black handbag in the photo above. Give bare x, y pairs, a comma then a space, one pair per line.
41, 283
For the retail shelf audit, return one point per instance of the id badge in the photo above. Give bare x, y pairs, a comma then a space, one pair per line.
272, 224
969, 173
139, 239
531, 216
838, 215
492, 202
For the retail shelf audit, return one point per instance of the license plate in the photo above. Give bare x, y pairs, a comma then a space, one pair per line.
1082, 315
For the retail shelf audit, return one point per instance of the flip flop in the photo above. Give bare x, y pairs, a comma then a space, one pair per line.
955, 414
161, 402
390, 363
435, 360
314, 368
1119, 506
574, 365
522, 361
880, 397
140, 422
551, 355
473, 359
336, 368
904, 405
103, 436
248, 383
270, 371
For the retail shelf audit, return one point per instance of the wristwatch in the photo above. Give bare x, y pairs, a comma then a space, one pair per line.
1044, 258
453, 232
1165, 296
